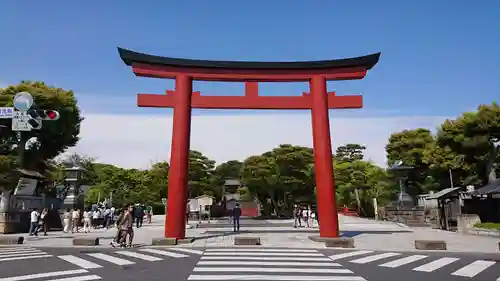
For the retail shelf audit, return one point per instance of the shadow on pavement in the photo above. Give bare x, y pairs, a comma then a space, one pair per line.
213, 234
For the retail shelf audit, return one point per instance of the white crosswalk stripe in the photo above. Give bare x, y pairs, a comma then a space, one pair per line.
434, 265
403, 261
375, 258
473, 269
269, 264
349, 254
124, 257
250, 253
79, 262
63, 274
21, 253
139, 256
420, 263
164, 253
189, 251
111, 259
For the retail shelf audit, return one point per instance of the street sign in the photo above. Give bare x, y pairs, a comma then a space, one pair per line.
6, 112
20, 121
23, 101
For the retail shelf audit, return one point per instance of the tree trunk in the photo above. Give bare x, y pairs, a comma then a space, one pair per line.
4, 200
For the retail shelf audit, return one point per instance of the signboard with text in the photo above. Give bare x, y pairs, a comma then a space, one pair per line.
6, 112
20, 121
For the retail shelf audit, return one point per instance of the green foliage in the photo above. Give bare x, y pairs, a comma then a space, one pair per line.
53, 138
467, 146
349, 152
488, 225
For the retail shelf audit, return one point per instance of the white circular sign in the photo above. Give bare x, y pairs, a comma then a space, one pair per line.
23, 101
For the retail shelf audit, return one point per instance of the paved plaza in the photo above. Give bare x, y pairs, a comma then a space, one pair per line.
383, 251
368, 235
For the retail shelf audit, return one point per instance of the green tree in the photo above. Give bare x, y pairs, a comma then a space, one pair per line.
280, 177
200, 172
411, 147
157, 179
349, 152
472, 139
54, 137
370, 180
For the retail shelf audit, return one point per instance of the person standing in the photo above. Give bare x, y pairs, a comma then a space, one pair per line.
296, 217
107, 220
236, 214
34, 216
305, 216
75, 220
139, 215
67, 221
86, 221
149, 214
112, 213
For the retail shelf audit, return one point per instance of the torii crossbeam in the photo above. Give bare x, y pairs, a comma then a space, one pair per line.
183, 99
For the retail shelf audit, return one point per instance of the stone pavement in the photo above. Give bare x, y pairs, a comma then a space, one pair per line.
368, 234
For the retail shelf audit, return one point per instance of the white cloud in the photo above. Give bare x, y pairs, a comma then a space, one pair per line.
137, 141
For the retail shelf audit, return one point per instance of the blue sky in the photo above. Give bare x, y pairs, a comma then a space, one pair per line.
438, 57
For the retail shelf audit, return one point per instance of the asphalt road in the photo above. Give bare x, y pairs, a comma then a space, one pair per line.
79, 264
258, 263
418, 266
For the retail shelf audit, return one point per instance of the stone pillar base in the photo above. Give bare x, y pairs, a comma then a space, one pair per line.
9, 222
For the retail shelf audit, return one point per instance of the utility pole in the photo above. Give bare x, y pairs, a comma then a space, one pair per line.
21, 147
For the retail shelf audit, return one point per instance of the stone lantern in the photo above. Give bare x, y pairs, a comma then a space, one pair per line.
401, 172
74, 197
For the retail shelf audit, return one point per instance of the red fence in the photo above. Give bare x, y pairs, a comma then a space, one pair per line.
348, 212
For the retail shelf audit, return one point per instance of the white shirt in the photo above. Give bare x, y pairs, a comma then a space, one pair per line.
305, 214
34, 216
86, 215
75, 215
96, 215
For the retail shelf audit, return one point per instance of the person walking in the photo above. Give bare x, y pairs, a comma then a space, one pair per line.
119, 218
34, 217
236, 214
44, 221
126, 224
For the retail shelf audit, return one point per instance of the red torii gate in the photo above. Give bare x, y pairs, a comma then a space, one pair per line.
183, 99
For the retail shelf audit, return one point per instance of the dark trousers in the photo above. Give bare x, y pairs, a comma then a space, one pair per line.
236, 223
138, 221
107, 221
